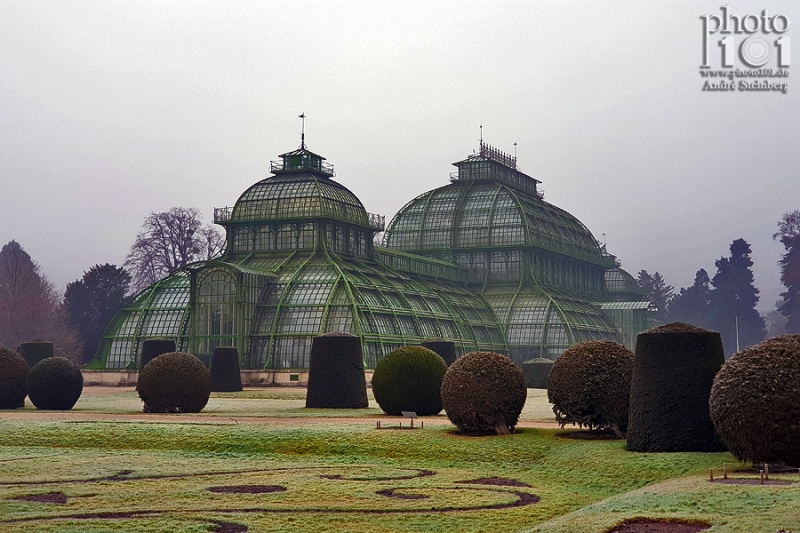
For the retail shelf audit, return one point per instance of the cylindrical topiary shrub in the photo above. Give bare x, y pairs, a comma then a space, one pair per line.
590, 385
409, 379
536, 372
54, 383
484, 392
336, 373
445, 349
35, 351
152, 348
174, 382
225, 373
755, 402
673, 370
13, 375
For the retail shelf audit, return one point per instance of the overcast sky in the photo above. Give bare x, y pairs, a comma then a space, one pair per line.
110, 110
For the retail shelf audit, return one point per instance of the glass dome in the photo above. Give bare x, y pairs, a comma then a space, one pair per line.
622, 286
487, 215
299, 196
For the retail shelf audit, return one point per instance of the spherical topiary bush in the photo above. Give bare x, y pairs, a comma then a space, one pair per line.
590, 385
484, 392
174, 382
54, 383
673, 370
13, 374
409, 379
537, 372
755, 402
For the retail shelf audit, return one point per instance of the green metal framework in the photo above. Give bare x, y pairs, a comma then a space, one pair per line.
484, 262
537, 266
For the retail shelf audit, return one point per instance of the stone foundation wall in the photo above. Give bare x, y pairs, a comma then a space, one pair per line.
250, 378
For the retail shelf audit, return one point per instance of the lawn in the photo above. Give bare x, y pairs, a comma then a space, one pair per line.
259, 461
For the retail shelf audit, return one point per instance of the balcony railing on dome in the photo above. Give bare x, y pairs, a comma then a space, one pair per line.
222, 214
305, 164
377, 222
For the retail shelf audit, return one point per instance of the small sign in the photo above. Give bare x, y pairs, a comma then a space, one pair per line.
409, 414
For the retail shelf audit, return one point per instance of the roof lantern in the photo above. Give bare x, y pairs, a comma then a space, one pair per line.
491, 164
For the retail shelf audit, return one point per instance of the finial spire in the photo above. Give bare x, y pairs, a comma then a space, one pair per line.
515, 151
302, 131
481, 133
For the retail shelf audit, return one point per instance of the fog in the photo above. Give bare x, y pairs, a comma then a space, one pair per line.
112, 110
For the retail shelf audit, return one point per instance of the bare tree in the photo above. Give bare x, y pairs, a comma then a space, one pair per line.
168, 241
30, 307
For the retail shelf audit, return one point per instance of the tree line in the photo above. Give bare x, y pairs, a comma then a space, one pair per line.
727, 302
32, 309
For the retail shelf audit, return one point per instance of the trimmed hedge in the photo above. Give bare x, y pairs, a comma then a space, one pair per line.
484, 392
35, 351
225, 373
174, 382
336, 373
536, 372
445, 349
409, 379
152, 348
755, 402
13, 374
673, 371
54, 383
590, 386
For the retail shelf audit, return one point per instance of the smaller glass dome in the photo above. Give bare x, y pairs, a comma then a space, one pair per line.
623, 286
300, 195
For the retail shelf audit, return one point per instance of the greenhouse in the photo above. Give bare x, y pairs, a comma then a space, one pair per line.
483, 261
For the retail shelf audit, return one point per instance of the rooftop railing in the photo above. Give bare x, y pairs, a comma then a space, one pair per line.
320, 166
377, 222
222, 214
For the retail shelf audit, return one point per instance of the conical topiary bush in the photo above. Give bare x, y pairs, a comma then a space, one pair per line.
445, 349
152, 348
35, 351
225, 373
536, 372
673, 370
336, 373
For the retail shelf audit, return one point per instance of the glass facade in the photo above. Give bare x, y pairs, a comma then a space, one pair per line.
484, 262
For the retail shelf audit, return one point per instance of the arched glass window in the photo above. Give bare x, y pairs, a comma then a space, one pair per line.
215, 322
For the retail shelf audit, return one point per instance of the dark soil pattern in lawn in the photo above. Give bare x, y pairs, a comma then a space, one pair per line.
651, 525
49, 497
497, 481
247, 489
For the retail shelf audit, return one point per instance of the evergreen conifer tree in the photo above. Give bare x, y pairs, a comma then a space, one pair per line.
658, 292
733, 299
92, 301
789, 235
692, 304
